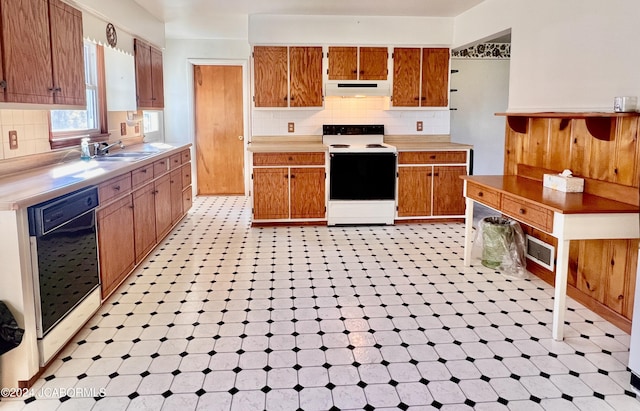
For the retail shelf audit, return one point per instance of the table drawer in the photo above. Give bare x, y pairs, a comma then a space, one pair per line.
432, 157
175, 161
484, 195
531, 214
185, 156
141, 175
115, 187
286, 159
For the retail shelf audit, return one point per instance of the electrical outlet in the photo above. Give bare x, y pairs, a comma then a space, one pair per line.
13, 140
291, 127
123, 129
137, 129
418, 125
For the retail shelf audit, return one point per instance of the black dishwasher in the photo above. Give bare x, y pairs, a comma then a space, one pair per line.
64, 254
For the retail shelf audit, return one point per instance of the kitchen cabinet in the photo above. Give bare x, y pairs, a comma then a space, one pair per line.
358, 63
116, 243
42, 52
420, 77
144, 221
429, 184
163, 199
149, 75
176, 195
289, 186
287, 76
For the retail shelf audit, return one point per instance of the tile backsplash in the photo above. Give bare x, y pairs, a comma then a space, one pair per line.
32, 128
338, 110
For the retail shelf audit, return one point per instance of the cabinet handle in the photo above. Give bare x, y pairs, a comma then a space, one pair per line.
429, 174
480, 194
3, 84
432, 157
361, 71
290, 158
286, 176
354, 71
117, 188
436, 174
522, 211
423, 98
285, 98
144, 170
188, 175
292, 98
131, 207
293, 176
416, 98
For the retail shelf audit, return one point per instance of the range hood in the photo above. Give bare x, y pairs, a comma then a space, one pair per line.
358, 89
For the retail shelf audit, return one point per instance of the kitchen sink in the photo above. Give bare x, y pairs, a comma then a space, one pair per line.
124, 156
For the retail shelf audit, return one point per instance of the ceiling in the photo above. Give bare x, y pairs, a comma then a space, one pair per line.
180, 10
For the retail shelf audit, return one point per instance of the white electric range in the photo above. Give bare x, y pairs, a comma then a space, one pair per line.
362, 175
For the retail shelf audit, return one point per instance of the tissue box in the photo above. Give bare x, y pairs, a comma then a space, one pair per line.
562, 183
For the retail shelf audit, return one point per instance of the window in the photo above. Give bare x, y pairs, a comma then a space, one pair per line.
68, 126
151, 121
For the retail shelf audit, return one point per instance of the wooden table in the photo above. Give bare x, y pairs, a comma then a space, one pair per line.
566, 216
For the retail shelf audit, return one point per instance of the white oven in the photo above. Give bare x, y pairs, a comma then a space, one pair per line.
362, 175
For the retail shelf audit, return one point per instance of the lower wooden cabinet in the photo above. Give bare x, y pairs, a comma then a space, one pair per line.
144, 220
286, 190
134, 218
116, 243
430, 190
163, 205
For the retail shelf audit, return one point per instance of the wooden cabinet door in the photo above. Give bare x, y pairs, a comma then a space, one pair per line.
163, 205
406, 77
67, 54
307, 192
306, 76
270, 193
115, 243
157, 79
144, 85
270, 76
144, 220
414, 191
343, 63
373, 63
435, 77
447, 190
27, 51
176, 195
626, 165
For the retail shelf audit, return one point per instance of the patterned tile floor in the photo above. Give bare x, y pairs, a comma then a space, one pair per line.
224, 316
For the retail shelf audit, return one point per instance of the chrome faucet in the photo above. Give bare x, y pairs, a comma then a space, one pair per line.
99, 150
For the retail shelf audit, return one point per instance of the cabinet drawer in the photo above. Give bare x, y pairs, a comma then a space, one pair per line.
531, 214
141, 175
186, 175
160, 167
484, 195
175, 161
432, 157
185, 156
115, 187
187, 201
285, 159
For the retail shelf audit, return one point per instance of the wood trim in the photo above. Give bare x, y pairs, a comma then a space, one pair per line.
287, 223
556, 114
428, 220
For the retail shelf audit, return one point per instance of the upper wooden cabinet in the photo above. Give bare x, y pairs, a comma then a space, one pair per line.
420, 77
358, 63
287, 76
149, 77
42, 53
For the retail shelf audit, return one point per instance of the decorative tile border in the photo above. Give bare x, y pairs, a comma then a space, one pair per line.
484, 51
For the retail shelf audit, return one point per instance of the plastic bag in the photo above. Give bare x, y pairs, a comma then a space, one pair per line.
10, 333
500, 245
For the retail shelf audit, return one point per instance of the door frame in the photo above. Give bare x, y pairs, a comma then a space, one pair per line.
191, 63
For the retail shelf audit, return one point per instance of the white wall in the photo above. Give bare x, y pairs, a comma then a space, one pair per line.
565, 55
128, 15
363, 30
483, 90
178, 80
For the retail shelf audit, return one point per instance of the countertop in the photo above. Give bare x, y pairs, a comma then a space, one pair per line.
277, 144
44, 183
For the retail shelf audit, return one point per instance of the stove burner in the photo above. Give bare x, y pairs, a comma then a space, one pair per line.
375, 146
340, 145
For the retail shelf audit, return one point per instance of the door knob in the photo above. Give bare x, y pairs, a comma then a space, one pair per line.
240, 138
